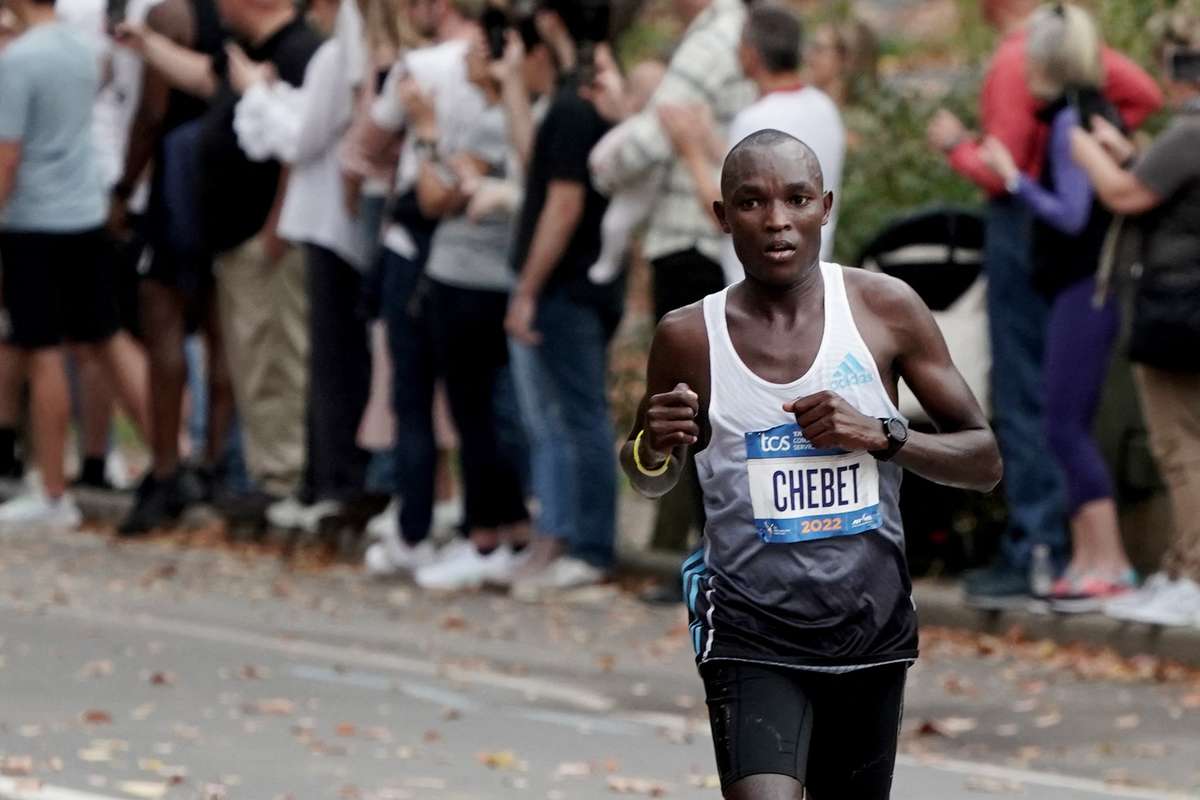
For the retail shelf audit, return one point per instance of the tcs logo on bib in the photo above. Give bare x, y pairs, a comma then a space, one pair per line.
774, 444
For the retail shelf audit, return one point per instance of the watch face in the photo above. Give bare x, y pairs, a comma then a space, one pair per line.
897, 430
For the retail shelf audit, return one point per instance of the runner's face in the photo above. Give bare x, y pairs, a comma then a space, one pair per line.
774, 209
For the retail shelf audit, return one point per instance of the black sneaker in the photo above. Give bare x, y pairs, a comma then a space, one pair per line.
158, 504
197, 485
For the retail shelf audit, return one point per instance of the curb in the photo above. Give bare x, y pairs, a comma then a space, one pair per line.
940, 603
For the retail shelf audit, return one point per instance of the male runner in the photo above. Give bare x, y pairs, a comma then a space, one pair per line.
800, 602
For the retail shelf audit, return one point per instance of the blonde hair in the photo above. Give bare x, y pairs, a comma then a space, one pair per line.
1178, 27
1064, 50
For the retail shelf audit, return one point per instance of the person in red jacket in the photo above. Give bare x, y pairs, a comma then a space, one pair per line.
1017, 312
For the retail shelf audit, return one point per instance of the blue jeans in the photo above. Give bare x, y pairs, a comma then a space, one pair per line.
561, 388
411, 349
1018, 317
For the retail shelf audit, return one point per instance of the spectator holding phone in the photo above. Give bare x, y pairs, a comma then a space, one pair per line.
1065, 71
1160, 191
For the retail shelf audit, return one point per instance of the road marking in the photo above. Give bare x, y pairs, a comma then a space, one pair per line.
11, 790
1050, 780
529, 688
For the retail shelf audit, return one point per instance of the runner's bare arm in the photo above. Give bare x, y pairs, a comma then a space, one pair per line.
963, 452
674, 409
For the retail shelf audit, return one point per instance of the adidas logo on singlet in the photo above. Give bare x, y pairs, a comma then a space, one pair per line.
849, 373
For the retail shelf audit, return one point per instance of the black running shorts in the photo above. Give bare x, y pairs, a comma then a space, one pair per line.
834, 733
58, 287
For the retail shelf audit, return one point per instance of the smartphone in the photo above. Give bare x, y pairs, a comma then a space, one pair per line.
495, 27
1184, 66
115, 12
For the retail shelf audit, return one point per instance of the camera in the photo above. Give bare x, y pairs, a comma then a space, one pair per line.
590, 23
1184, 66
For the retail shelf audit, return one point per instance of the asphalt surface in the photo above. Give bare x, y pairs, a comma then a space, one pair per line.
182, 668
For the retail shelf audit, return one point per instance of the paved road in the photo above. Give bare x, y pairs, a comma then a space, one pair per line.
155, 670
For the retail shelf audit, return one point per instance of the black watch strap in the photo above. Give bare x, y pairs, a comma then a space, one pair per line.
895, 444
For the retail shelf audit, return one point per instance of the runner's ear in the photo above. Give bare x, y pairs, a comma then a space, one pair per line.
719, 213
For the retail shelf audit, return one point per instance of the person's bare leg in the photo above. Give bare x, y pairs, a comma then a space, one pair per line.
163, 314
127, 369
485, 539
518, 534
220, 388
96, 405
765, 787
445, 487
1100, 537
50, 407
12, 375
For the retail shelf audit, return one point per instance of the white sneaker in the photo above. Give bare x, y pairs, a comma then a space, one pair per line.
285, 514
563, 574
466, 568
1176, 606
311, 516
37, 510
392, 556
385, 523
1126, 607
447, 517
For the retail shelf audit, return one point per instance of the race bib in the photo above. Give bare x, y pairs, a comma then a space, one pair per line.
799, 492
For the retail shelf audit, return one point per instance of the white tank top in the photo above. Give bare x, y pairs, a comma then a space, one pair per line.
803, 559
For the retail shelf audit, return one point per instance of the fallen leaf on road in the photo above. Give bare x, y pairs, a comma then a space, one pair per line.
16, 766
96, 669
95, 755
97, 717
432, 736
1127, 721
453, 622
976, 783
1048, 720
346, 729
272, 706
705, 781
640, 786
947, 726
503, 759
573, 769
147, 790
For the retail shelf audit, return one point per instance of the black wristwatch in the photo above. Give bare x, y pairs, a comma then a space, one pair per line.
427, 149
896, 431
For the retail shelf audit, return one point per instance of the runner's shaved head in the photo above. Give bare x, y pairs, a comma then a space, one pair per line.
739, 163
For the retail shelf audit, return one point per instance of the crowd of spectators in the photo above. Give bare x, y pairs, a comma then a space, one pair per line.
312, 253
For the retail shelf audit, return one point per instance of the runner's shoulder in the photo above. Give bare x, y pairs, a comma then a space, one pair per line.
682, 331
889, 299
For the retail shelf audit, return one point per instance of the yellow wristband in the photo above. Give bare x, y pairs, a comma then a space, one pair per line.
637, 459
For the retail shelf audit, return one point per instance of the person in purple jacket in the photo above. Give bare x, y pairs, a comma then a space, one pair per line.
1065, 70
